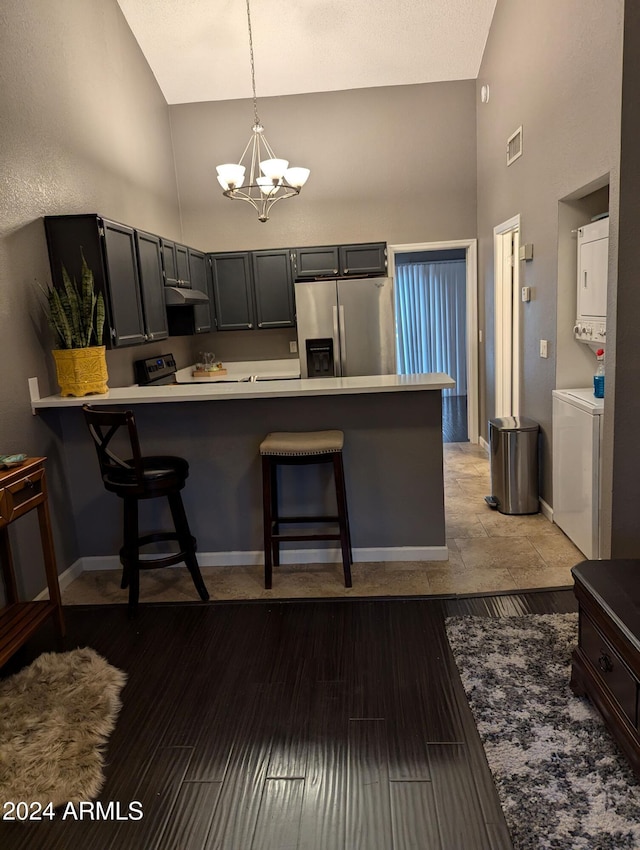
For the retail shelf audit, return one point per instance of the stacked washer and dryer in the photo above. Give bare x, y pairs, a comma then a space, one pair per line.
577, 414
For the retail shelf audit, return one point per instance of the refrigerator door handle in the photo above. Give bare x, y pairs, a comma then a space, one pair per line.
337, 364
343, 342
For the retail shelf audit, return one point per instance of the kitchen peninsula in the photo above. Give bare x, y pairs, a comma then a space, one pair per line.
393, 461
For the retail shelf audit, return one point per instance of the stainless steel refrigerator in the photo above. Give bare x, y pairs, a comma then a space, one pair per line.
346, 327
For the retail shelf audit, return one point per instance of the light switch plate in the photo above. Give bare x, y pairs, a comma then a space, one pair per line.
293, 347
543, 348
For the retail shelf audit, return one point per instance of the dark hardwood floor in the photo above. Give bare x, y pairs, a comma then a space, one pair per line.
297, 725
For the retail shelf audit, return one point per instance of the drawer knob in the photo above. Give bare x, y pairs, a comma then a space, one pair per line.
605, 663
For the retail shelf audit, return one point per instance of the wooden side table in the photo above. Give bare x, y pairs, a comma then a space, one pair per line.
21, 490
606, 662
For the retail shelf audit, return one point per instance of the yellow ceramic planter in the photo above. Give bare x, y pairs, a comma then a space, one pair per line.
81, 371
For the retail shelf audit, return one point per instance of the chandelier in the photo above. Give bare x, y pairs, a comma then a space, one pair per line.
270, 178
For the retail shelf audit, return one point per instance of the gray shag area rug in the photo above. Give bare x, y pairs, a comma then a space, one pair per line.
562, 781
55, 719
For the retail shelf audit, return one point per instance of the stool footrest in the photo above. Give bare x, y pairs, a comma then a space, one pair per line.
153, 561
318, 536
282, 519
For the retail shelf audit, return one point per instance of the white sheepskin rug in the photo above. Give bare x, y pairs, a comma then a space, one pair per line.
55, 719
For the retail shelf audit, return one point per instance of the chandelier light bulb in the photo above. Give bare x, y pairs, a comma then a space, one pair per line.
274, 169
297, 176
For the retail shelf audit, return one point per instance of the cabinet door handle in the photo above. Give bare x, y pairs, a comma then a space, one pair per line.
335, 271
605, 663
249, 325
259, 324
346, 271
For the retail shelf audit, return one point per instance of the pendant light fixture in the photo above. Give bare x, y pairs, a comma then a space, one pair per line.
270, 178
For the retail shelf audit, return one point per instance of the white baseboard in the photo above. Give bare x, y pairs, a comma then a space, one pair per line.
65, 578
483, 443
546, 510
288, 556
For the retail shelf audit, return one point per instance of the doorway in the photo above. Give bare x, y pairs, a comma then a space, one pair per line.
460, 410
506, 246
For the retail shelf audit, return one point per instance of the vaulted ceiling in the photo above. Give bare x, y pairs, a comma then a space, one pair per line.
199, 49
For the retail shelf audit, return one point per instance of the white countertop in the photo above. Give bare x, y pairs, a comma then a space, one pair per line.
206, 391
245, 370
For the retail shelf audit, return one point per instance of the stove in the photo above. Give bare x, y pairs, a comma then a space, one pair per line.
155, 371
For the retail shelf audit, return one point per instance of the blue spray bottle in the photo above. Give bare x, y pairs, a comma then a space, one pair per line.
598, 378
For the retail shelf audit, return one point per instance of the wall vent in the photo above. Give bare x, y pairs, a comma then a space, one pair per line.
514, 146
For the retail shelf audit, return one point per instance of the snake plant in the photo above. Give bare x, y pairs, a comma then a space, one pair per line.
76, 313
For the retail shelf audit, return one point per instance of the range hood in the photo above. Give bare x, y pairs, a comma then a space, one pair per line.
175, 296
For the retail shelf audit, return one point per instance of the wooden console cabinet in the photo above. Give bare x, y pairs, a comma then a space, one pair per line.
21, 490
606, 662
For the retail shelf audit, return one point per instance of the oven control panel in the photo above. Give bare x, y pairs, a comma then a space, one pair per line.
155, 370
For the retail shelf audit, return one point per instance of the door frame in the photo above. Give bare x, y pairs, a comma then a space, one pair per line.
507, 316
471, 268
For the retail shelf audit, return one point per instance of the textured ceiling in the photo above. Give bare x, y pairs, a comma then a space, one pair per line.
199, 49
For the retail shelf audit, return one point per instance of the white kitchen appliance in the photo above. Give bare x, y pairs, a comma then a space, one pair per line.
593, 266
345, 327
577, 450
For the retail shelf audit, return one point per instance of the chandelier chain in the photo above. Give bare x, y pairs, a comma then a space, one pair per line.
253, 68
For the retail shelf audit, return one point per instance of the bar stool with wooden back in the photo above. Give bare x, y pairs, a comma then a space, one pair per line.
306, 447
135, 477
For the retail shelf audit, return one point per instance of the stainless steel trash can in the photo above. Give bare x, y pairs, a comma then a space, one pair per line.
513, 446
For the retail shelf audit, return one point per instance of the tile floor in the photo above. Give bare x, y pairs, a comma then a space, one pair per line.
488, 552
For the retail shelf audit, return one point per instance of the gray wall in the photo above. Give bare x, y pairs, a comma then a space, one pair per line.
84, 129
554, 68
622, 398
391, 164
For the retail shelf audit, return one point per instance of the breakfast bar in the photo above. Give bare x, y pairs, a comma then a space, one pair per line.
392, 456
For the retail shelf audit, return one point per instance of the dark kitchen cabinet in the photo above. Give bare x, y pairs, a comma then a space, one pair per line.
315, 262
169, 267
253, 290
110, 251
192, 319
233, 291
273, 289
367, 259
175, 261
199, 276
148, 249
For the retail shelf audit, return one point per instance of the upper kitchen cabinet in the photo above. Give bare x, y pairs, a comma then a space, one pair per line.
273, 289
148, 248
110, 251
315, 262
197, 317
199, 277
175, 261
369, 259
232, 291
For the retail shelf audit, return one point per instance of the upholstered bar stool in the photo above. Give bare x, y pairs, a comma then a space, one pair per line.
302, 448
132, 476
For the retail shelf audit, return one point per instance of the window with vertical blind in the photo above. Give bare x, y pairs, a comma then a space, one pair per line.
431, 319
